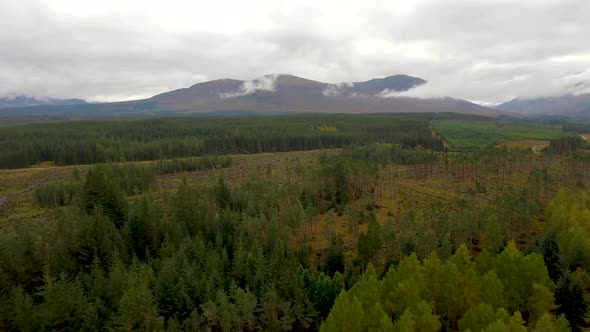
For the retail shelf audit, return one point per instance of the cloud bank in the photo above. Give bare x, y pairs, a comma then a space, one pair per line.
479, 50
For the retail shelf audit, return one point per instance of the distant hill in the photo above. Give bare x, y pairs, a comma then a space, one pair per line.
290, 94
270, 94
24, 101
568, 105
396, 83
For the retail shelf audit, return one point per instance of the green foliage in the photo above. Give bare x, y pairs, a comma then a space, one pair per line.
481, 316
390, 153
552, 257
477, 135
140, 229
550, 324
417, 294
101, 194
56, 194
22, 312
565, 145
321, 289
65, 307
137, 308
571, 299
566, 250
192, 164
123, 254
334, 258
89, 142
370, 244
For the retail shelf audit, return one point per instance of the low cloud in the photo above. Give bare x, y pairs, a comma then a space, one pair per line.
331, 91
337, 89
488, 91
266, 83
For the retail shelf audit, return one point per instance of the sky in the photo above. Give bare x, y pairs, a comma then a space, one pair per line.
486, 51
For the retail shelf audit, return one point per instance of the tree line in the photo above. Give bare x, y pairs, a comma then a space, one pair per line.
89, 142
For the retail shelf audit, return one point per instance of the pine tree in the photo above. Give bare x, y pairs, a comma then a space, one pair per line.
540, 302
405, 323
65, 306
480, 316
139, 230
370, 244
426, 320
334, 261
222, 194
570, 298
551, 256
492, 290
23, 314
100, 192
137, 309
347, 315
547, 323
246, 303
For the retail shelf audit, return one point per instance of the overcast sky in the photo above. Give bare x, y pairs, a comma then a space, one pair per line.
106, 50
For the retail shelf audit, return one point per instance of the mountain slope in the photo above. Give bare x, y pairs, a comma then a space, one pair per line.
270, 94
391, 83
569, 105
24, 101
288, 93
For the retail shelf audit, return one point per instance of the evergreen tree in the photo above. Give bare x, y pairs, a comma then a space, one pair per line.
222, 194
570, 298
137, 309
370, 244
102, 194
23, 314
551, 256
65, 307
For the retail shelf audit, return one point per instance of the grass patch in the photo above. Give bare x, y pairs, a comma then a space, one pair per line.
477, 135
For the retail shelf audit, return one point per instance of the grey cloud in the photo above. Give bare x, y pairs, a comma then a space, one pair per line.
486, 51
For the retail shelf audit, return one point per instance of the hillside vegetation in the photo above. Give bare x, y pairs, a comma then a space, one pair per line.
386, 232
88, 142
474, 135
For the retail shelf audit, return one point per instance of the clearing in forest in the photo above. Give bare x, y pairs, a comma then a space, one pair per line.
476, 135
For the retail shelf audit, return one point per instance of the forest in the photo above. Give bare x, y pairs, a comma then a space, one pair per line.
305, 223
88, 142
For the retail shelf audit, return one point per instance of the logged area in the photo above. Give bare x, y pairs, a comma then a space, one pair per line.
388, 222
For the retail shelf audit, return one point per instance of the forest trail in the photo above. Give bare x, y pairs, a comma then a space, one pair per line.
7, 197
538, 148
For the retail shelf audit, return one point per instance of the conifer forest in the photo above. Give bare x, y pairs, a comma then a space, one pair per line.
312, 222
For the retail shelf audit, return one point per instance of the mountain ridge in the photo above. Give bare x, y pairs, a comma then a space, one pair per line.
27, 101
278, 94
569, 105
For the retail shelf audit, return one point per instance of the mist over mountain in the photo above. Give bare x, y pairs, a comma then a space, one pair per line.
25, 101
567, 105
288, 94
269, 94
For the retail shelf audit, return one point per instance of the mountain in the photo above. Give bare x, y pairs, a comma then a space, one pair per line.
396, 83
24, 101
568, 105
270, 94
288, 94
